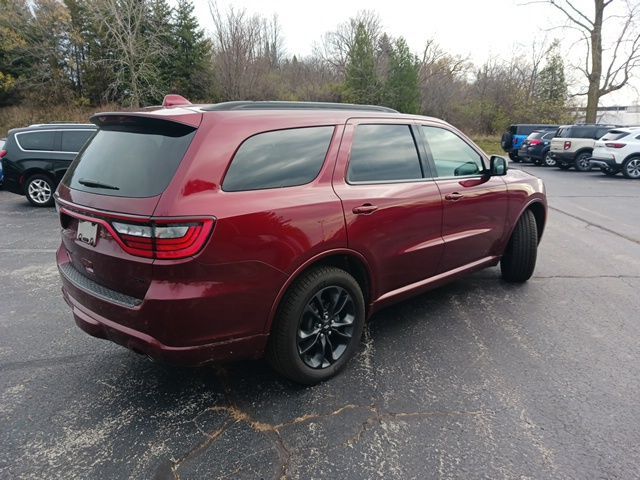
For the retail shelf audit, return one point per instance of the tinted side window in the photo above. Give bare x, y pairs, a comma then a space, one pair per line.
36, 140
282, 158
583, 132
564, 132
452, 156
600, 132
74, 140
548, 136
383, 153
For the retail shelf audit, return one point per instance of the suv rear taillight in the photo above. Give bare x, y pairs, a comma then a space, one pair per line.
616, 145
535, 142
163, 240
3, 153
567, 145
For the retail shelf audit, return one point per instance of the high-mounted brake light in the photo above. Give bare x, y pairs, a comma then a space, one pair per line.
616, 145
567, 145
174, 100
163, 240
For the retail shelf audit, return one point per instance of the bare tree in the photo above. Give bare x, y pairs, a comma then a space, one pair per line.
247, 50
624, 52
336, 45
136, 48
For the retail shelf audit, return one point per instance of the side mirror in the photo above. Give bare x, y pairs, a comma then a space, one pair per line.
498, 166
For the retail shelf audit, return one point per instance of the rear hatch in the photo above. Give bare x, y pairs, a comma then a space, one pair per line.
609, 144
107, 198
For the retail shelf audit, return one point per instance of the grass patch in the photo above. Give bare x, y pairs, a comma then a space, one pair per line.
490, 145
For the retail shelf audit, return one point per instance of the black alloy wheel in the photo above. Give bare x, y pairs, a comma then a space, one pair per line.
326, 327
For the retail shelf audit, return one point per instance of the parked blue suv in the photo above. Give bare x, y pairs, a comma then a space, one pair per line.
515, 136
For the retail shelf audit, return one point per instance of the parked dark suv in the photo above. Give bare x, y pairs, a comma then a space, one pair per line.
515, 136
536, 148
35, 158
200, 233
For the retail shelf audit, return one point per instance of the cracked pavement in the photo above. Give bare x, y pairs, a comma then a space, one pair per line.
478, 379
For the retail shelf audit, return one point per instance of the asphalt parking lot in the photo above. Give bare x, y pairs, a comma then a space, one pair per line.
479, 379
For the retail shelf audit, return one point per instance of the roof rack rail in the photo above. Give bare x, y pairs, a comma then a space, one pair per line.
278, 105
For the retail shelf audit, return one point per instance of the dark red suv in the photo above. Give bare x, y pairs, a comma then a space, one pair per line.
200, 233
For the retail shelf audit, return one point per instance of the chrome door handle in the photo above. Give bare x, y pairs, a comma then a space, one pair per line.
454, 197
365, 209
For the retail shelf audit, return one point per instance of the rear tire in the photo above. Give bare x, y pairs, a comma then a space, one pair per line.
631, 168
519, 259
39, 190
582, 162
308, 333
548, 161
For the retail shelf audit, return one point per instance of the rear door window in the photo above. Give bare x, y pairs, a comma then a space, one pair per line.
74, 140
130, 161
42, 141
383, 153
282, 158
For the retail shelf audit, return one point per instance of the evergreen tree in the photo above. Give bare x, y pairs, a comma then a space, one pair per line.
191, 55
402, 90
160, 22
361, 83
551, 94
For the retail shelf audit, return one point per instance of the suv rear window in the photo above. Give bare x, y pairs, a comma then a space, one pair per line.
282, 158
615, 135
130, 161
382, 153
36, 140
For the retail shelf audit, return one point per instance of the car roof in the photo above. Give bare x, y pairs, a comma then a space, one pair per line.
313, 112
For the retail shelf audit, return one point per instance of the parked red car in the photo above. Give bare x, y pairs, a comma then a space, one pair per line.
204, 233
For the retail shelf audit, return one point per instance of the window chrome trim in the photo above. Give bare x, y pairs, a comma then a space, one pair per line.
51, 130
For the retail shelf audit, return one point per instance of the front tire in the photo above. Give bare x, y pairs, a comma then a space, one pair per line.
318, 326
519, 259
582, 162
39, 190
631, 168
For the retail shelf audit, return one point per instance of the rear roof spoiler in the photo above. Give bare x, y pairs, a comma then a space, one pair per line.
177, 116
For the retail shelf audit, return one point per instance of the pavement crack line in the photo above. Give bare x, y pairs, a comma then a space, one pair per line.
595, 225
274, 431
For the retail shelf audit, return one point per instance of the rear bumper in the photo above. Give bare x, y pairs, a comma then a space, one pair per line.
176, 323
563, 157
606, 163
100, 327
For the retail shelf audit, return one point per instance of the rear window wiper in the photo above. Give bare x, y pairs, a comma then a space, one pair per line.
94, 184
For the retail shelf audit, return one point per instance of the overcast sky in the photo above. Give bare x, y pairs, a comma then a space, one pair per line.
479, 29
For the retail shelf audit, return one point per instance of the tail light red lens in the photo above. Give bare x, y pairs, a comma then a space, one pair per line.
616, 145
163, 240
535, 142
567, 145
3, 153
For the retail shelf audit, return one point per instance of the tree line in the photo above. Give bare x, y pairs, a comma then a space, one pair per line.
133, 52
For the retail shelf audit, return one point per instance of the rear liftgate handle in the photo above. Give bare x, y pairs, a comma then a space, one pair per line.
365, 209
